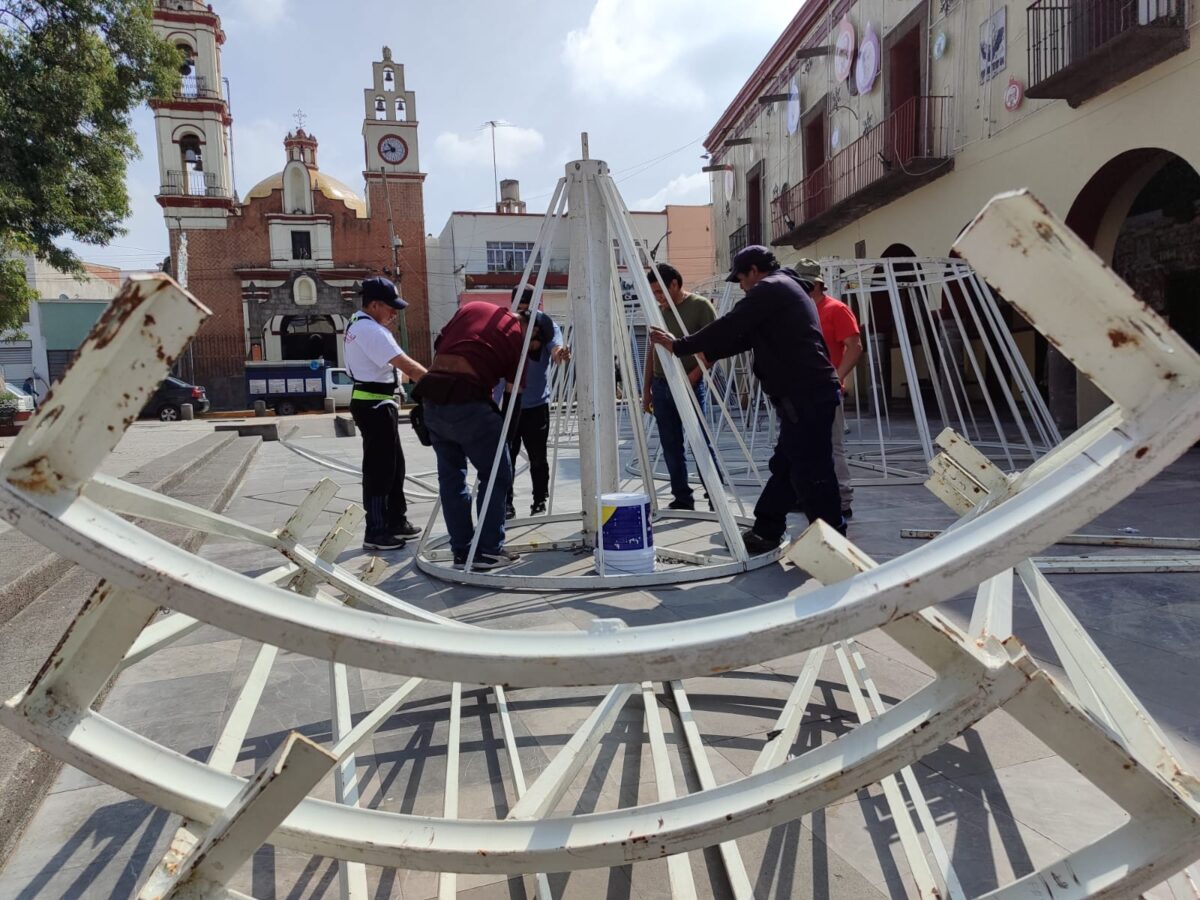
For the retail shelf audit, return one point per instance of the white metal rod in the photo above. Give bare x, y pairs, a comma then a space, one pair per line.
679, 866
448, 881
735, 868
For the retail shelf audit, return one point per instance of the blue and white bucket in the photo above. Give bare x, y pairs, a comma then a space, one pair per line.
626, 535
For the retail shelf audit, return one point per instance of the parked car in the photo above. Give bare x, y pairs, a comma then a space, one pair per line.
171, 395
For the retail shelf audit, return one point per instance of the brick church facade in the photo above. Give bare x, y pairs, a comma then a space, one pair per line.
280, 268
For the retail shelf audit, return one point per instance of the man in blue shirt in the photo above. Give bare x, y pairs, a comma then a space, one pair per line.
531, 420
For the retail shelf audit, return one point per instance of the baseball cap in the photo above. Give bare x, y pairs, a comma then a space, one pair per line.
752, 255
383, 290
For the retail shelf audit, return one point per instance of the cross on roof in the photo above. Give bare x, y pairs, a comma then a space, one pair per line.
299, 116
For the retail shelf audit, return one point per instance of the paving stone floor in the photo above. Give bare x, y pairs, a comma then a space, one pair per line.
1004, 804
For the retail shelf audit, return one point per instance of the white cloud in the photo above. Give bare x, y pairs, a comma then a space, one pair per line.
683, 189
660, 49
254, 13
513, 144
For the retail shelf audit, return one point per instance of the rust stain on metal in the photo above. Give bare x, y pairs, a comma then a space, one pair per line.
1142, 451
1119, 338
36, 477
118, 312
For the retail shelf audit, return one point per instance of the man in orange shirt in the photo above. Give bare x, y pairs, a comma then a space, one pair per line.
844, 342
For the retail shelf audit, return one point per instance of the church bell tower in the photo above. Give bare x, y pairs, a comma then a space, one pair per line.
390, 122
192, 126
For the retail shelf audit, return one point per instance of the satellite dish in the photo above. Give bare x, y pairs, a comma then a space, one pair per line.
793, 107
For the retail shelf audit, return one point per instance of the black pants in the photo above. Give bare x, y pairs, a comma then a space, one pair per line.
531, 427
383, 464
801, 470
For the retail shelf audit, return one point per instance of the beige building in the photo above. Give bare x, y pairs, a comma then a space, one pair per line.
881, 127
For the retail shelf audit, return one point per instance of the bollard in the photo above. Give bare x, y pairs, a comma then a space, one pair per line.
185, 412
260, 407
330, 405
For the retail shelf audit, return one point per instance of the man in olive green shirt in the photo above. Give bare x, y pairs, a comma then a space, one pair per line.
694, 312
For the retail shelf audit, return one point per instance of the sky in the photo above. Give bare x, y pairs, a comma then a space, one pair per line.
647, 79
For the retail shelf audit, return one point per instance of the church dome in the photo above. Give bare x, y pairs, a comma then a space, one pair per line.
326, 184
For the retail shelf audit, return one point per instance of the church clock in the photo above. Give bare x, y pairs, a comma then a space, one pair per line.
393, 149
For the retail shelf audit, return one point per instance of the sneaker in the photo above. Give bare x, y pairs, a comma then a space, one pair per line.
538, 508
405, 528
510, 511
847, 513
681, 504
756, 543
383, 542
486, 562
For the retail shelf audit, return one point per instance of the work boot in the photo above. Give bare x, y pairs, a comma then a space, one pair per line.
538, 508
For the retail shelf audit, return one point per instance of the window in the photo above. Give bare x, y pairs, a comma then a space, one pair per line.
342, 378
508, 256
301, 245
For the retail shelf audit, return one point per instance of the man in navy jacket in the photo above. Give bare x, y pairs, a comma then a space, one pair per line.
778, 321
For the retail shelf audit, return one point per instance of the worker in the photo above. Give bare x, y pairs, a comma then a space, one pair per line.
778, 321
372, 358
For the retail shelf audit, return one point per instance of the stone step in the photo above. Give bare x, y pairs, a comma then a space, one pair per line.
27, 568
209, 479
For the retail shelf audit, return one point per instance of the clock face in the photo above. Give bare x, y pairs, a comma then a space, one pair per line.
393, 149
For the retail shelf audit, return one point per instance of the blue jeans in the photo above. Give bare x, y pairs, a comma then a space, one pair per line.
670, 434
462, 433
801, 468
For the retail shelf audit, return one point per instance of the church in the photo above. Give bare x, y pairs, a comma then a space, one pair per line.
280, 268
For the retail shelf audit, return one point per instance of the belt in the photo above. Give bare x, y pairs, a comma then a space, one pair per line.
359, 394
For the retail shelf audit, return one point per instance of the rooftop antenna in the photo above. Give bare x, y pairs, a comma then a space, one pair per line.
494, 124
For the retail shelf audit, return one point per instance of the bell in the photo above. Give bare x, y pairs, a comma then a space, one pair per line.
387, 77
186, 68
191, 156
380, 106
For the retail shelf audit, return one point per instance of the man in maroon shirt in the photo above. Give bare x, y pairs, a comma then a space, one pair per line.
479, 346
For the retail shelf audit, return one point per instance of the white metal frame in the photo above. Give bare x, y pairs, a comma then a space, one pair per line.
49, 490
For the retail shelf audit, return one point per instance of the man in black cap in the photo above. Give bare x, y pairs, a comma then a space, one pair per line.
778, 321
372, 357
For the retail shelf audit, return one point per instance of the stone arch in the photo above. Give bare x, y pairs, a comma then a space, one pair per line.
304, 291
1140, 213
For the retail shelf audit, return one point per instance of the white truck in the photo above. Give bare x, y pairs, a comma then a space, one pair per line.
293, 385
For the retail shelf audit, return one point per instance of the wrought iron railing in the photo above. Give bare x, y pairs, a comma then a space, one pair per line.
192, 184
739, 239
196, 87
920, 129
1061, 33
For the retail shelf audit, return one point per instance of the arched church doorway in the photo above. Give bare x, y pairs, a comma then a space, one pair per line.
308, 337
1140, 213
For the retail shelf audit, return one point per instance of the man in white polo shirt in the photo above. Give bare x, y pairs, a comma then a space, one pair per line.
372, 357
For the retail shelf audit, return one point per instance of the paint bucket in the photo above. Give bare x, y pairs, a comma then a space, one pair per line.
626, 534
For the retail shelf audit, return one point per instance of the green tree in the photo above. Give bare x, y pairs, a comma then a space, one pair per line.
70, 73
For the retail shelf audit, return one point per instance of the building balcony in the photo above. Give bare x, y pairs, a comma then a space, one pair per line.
1079, 49
910, 148
192, 184
196, 87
